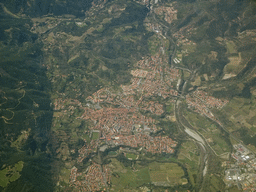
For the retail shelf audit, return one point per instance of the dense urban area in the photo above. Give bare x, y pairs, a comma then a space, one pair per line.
128, 95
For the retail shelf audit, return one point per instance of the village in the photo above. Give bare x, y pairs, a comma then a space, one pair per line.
201, 103
95, 178
169, 13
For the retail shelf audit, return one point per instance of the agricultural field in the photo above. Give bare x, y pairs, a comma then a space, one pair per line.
189, 48
210, 132
127, 178
216, 184
159, 174
189, 151
241, 112
166, 174
189, 155
155, 43
241, 120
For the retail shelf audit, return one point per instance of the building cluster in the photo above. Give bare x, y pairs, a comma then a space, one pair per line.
153, 107
152, 85
116, 120
150, 78
158, 64
158, 80
73, 174
200, 107
243, 172
139, 73
150, 144
176, 60
121, 126
87, 149
59, 104
169, 13
201, 103
211, 102
155, 27
95, 178
242, 153
153, 63
183, 34
130, 89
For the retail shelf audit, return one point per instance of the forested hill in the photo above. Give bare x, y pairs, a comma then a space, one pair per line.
25, 112
42, 7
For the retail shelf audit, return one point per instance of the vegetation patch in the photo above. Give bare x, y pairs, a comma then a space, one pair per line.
231, 47
131, 156
10, 174
95, 135
165, 173
213, 135
126, 178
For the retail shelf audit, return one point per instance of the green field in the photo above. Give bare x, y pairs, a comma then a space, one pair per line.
112, 153
10, 174
215, 183
132, 178
189, 155
189, 151
169, 173
95, 135
210, 131
234, 66
4, 181
231, 47
131, 156
189, 48
169, 108
240, 112
157, 176
155, 43
126, 178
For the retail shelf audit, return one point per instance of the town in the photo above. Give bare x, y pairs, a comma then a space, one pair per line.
127, 115
117, 118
